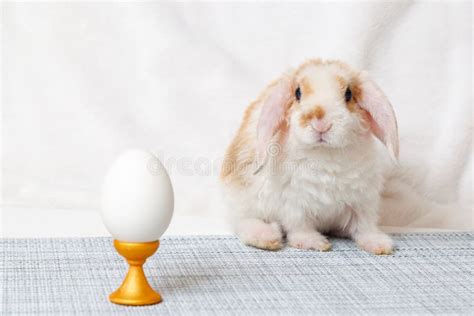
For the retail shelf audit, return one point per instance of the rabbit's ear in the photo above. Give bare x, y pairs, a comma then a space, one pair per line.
272, 116
383, 121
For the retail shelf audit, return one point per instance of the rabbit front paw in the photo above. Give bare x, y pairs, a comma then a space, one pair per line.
256, 233
376, 243
308, 240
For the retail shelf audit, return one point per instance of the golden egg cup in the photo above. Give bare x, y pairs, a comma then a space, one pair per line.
135, 289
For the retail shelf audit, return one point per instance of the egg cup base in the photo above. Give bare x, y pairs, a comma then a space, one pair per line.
135, 289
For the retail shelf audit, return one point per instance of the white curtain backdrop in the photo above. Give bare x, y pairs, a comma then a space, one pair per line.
83, 81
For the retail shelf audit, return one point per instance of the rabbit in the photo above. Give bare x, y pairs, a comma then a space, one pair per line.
305, 162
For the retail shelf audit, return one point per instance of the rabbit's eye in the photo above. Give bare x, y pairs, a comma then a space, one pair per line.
298, 93
348, 95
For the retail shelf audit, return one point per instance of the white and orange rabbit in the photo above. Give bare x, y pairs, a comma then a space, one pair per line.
305, 163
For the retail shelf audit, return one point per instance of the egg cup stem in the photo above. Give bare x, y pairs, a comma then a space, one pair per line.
135, 289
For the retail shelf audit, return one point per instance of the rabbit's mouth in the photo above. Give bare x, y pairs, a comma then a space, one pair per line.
321, 138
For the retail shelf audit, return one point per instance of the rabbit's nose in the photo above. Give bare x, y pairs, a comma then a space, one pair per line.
321, 126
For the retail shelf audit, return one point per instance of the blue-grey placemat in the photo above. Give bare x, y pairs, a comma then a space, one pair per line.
199, 275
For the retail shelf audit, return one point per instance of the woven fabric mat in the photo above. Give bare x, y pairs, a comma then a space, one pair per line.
201, 275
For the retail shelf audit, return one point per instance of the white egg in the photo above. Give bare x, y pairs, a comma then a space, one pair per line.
137, 197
